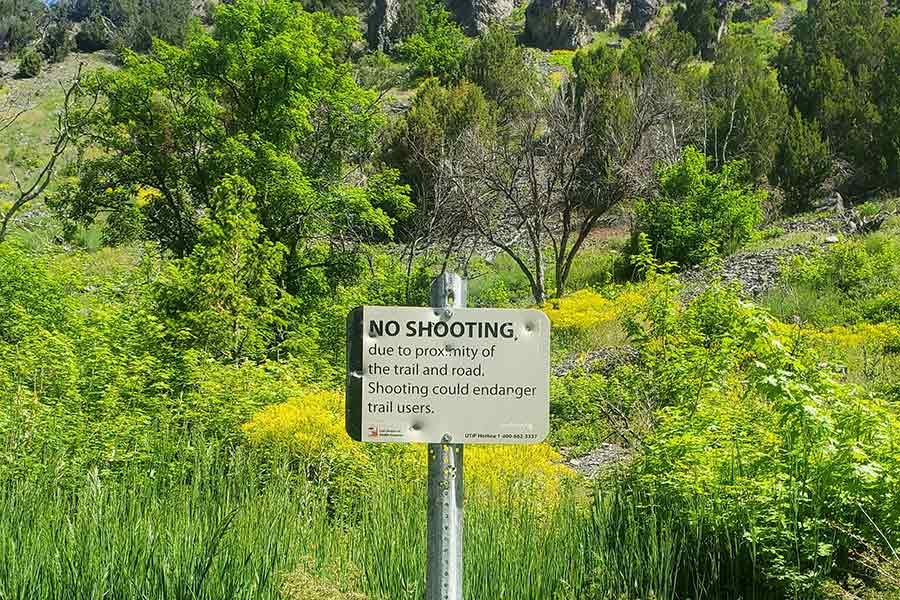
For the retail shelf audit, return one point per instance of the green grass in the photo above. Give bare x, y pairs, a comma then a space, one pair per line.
800, 238
237, 528
234, 529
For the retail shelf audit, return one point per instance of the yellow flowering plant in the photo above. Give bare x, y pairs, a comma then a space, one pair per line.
309, 429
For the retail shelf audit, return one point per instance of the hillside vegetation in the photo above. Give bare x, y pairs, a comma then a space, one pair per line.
705, 206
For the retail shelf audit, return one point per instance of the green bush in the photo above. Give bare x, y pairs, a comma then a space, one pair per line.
698, 214
30, 63
756, 10
784, 474
437, 46
19, 20
855, 280
802, 165
95, 34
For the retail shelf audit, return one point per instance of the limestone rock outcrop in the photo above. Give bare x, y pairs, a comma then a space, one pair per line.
385, 30
475, 15
570, 24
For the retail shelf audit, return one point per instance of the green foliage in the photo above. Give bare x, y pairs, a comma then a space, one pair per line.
132, 24
225, 298
858, 276
268, 96
438, 44
838, 71
19, 21
803, 164
506, 72
698, 214
757, 10
95, 34
781, 469
437, 117
748, 108
377, 71
699, 18
30, 63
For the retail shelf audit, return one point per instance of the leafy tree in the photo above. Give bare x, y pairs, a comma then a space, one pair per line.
419, 142
129, 23
266, 95
803, 163
225, 298
19, 20
139, 22
438, 44
437, 117
506, 72
746, 107
833, 71
698, 213
700, 18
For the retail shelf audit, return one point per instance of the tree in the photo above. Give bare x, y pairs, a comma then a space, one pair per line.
225, 298
129, 23
833, 71
705, 20
506, 72
438, 44
698, 213
803, 163
19, 20
745, 108
434, 123
267, 95
547, 179
77, 106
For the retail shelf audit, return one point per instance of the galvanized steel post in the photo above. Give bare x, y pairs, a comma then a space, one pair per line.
443, 577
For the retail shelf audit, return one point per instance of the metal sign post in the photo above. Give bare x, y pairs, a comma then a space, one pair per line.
443, 576
446, 375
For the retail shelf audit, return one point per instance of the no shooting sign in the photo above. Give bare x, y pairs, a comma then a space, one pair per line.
461, 375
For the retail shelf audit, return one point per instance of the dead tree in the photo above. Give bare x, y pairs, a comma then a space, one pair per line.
26, 190
549, 181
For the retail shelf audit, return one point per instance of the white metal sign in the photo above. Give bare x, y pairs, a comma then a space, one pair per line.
462, 375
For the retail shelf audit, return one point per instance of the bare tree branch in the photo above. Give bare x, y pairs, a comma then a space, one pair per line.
31, 189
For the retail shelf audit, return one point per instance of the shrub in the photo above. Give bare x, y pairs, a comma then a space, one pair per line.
437, 46
802, 165
30, 63
19, 23
95, 34
698, 214
859, 279
756, 10
783, 472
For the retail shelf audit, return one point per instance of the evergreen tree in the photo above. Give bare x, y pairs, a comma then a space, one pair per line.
803, 163
747, 108
837, 70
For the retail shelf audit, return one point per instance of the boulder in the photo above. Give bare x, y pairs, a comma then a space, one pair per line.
642, 12
381, 24
385, 27
475, 15
569, 24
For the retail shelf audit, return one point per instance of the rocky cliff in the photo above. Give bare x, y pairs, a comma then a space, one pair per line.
472, 15
570, 24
